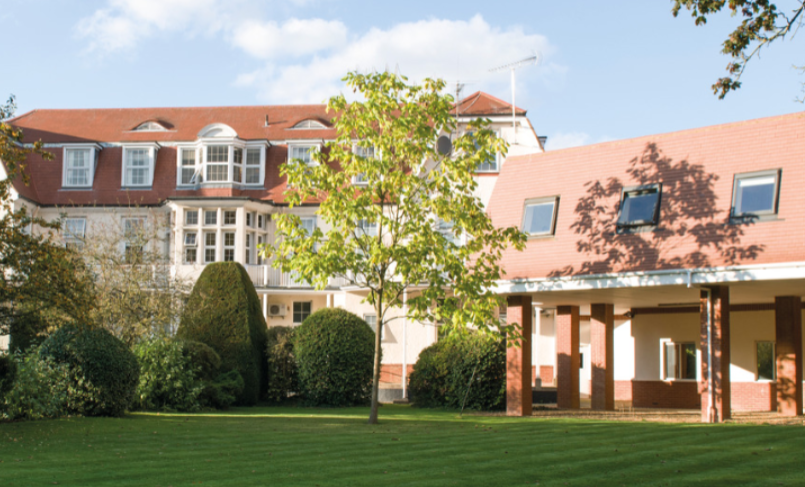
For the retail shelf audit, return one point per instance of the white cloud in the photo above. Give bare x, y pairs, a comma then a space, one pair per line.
564, 140
449, 49
295, 37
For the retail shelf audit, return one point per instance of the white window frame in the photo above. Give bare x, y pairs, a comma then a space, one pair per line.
316, 146
126, 244
197, 176
309, 124
541, 201
212, 247
363, 225
371, 315
204, 221
262, 164
497, 157
151, 150
232, 144
70, 236
229, 247
250, 240
736, 195
206, 165
224, 211
663, 372
187, 212
93, 150
190, 245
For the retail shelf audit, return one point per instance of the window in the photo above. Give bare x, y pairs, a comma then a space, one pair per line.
539, 216
766, 369
249, 219
191, 217
259, 244
367, 227
190, 245
210, 217
252, 166
150, 127
249, 242
446, 229
309, 224
188, 174
133, 239
679, 360
371, 320
310, 124
137, 164
217, 163
640, 206
209, 247
259, 221
367, 152
301, 310
490, 165
303, 153
73, 230
230, 217
229, 246
237, 170
78, 167
756, 193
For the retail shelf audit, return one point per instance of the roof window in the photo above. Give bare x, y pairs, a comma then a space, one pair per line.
640, 206
150, 127
310, 124
756, 194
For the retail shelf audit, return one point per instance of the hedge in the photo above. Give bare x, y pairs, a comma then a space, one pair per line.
448, 369
224, 312
334, 350
105, 372
169, 381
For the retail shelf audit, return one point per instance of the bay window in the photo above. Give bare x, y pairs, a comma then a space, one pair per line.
217, 163
227, 161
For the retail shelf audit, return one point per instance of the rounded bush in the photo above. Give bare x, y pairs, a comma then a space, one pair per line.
168, 378
203, 358
334, 350
283, 373
104, 370
471, 366
224, 312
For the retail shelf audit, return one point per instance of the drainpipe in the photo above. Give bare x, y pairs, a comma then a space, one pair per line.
405, 346
711, 411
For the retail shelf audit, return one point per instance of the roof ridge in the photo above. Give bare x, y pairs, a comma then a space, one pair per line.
176, 108
12, 119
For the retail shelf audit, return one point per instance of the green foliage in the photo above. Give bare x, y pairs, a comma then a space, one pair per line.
283, 373
762, 24
334, 350
203, 358
411, 193
448, 369
26, 331
104, 371
41, 389
224, 312
223, 391
168, 379
7, 372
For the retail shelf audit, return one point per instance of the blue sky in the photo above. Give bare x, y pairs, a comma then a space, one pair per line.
607, 72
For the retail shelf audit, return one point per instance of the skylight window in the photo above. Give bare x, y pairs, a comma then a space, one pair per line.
756, 193
640, 206
150, 127
310, 124
539, 216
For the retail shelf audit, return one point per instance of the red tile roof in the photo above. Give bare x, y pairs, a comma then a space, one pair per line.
483, 104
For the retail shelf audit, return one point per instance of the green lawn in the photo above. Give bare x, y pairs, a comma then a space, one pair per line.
290, 446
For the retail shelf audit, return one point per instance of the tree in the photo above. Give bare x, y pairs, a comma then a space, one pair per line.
137, 295
42, 284
762, 24
414, 222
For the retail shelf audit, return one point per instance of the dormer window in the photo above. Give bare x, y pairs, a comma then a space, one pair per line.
79, 166
138, 165
310, 124
219, 157
302, 152
217, 163
150, 127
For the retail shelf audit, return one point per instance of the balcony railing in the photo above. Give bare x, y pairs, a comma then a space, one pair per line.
267, 276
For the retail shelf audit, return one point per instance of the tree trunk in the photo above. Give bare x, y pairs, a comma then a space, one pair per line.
378, 349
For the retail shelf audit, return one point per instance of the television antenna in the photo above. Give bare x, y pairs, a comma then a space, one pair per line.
513, 67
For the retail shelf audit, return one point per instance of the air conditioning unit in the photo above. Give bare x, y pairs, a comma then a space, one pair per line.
276, 310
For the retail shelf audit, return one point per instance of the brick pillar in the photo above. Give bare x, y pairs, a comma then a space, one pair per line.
602, 331
788, 324
518, 358
719, 330
567, 351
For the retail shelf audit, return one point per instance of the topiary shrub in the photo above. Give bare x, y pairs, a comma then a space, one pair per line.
446, 370
219, 390
283, 373
334, 350
105, 372
224, 312
203, 358
169, 381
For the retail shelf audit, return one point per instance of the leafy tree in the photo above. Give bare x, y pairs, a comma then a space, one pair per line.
413, 222
762, 24
42, 284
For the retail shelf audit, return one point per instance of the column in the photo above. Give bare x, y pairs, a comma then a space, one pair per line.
567, 361
518, 358
788, 346
715, 347
602, 332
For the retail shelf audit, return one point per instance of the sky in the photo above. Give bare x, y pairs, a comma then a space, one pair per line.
607, 70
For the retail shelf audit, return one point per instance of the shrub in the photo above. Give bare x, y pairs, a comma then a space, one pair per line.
203, 358
444, 372
168, 378
39, 390
224, 312
334, 350
221, 392
283, 373
7, 372
104, 371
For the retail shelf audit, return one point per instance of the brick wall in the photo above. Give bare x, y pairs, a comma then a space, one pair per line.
392, 373
754, 396
623, 390
661, 394
546, 375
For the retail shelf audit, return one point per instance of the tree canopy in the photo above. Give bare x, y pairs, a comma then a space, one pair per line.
761, 25
398, 217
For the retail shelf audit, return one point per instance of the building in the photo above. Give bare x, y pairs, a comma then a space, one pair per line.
211, 176
664, 271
